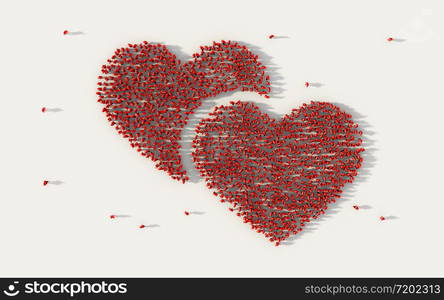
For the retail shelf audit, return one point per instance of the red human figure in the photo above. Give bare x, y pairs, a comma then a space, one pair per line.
381, 218
45, 182
113, 216
356, 207
187, 213
43, 109
65, 32
390, 39
142, 226
271, 36
307, 84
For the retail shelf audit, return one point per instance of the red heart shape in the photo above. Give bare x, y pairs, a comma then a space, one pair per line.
149, 94
278, 175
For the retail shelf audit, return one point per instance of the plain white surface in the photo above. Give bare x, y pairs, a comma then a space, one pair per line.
65, 230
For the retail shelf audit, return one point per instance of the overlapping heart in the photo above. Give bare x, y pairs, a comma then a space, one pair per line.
149, 94
276, 175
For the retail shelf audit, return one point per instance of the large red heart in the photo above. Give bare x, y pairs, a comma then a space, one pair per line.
278, 175
149, 94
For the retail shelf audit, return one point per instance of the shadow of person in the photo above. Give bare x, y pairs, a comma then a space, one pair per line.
152, 226
365, 207
123, 216
276, 37
56, 182
199, 213
54, 110
317, 84
76, 33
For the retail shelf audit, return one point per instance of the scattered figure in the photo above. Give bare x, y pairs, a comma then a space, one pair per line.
43, 109
271, 36
307, 84
381, 218
45, 182
390, 39
113, 216
356, 207
187, 213
142, 226
65, 32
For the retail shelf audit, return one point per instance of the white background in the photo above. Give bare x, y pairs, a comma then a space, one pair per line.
393, 89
